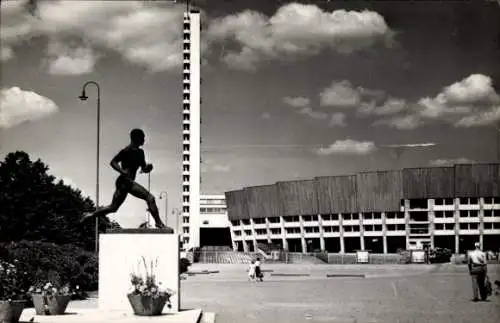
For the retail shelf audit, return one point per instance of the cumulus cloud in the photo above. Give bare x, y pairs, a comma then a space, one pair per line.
348, 147
221, 168
294, 30
408, 122
18, 106
467, 103
340, 94
144, 33
308, 111
337, 119
67, 60
302, 106
390, 107
482, 118
266, 115
471, 102
343, 94
210, 166
449, 162
296, 102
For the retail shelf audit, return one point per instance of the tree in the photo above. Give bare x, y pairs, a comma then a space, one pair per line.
34, 206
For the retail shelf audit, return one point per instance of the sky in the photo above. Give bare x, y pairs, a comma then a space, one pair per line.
291, 90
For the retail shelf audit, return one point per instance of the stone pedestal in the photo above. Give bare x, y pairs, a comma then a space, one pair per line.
120, 254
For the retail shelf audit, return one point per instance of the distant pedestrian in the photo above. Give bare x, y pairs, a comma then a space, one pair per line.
258, 271
251, 271
478, 269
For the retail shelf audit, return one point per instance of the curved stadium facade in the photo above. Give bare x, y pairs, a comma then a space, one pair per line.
448, 207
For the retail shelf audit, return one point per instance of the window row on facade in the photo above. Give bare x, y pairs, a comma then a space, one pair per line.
413, 216
372, 228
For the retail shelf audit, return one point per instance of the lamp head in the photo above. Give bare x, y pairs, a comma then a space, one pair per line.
83, 96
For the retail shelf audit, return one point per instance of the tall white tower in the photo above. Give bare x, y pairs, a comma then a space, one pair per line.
191, 138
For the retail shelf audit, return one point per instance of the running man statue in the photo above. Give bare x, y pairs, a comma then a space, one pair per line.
127, 162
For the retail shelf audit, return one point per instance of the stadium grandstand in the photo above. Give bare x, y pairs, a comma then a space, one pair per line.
381, 212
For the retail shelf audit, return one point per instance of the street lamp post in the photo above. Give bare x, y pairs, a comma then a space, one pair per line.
84, 97
164, 194
175, 214
148, 211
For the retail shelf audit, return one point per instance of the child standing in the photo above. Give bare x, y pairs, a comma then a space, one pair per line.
251, 271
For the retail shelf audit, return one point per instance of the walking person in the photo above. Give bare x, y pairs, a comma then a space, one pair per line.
478, 269
258, 271
251, 271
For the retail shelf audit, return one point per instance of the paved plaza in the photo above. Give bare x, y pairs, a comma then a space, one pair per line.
399, 293
389, 293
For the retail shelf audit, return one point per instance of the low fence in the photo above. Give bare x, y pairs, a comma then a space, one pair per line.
232, 257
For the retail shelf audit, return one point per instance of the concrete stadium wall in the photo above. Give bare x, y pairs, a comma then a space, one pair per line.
380, 191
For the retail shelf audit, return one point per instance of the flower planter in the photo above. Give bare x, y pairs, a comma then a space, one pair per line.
147, 305
51, 305
10, 312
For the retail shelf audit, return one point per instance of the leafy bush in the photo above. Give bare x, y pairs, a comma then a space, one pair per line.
43, 261
11, 281
184, 265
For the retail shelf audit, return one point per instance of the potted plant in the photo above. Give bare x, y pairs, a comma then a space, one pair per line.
11, 294
147, 297
50, 298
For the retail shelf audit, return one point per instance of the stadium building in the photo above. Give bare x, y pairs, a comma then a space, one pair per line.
448, 207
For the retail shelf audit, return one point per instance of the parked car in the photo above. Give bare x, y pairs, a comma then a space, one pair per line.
439, 255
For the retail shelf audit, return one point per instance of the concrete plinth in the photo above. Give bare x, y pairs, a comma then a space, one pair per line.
121, 254
101, 316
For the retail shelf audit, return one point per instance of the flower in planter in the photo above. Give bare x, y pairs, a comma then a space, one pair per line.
51, 298
50, 288
146, 286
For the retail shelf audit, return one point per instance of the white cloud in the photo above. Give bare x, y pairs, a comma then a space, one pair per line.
337, 120
340, 94
144, 33
18, 106
266, 115
408, 122
296, 29
6, 54
467, 103
390, 107
348, 147
221, 168
483, 118
471, 102
308, 111
296, 102
476, 88
449, 162
66, 60
209, 166
301, 104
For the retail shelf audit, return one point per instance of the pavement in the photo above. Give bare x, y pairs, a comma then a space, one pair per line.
388, 293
